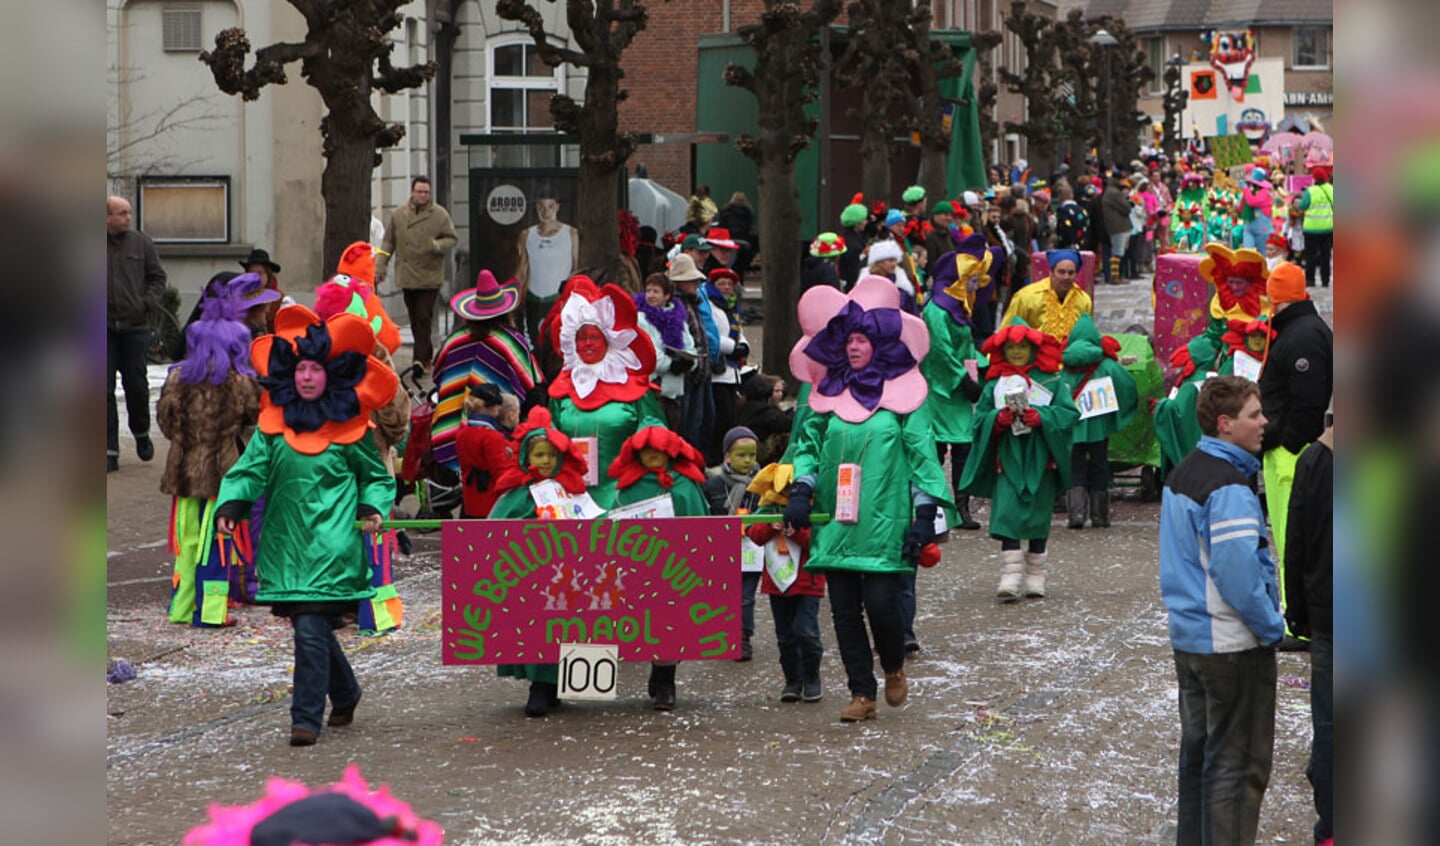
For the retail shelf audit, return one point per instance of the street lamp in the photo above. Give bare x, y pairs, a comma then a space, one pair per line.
1104, 40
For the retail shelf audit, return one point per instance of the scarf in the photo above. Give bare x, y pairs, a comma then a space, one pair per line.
669, 320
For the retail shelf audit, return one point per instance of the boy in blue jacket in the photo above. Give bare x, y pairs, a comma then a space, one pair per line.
1218, 582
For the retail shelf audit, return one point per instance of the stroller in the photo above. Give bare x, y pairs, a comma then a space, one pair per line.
437, 494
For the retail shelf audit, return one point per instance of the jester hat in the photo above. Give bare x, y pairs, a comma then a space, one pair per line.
623, 375
626, 469
959, 275
357, 383
891, 380
1238, 277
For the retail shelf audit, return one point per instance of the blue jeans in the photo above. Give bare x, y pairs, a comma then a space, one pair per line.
320, 669
749, 582
1258, 230
797, 630
1321, 770
1227, 744
125, 354
907, 608
854, 597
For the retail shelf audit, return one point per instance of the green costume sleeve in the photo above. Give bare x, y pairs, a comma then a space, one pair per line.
978, 478
247, 478
805, 442
377, 486
917, 433
944, 369
1057, 430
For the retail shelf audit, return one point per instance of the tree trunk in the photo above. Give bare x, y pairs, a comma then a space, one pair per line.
345, 184
600, 162
932, 174
780, 276
875, 161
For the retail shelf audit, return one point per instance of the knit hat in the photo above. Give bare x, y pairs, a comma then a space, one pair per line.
1054, 257
942, 207
913, 194
855, 213
738, 433
881, 250
893, 217
827, 245
1287, 284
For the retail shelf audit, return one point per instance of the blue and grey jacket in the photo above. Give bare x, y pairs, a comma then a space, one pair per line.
1216, 573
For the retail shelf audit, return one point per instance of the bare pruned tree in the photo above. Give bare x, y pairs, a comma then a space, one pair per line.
346, 57
601, 29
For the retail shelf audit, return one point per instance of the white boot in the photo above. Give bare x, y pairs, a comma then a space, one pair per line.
1012, 571
1035, 573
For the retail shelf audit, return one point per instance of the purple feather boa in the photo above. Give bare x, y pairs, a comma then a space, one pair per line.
669, 321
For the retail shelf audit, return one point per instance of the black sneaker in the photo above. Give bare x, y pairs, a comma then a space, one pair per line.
144, 447
112, 463
1293, 644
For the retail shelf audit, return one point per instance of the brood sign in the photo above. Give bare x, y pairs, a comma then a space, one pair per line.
505, 205
1309, 98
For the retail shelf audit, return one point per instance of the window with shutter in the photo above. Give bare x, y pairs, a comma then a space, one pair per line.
181, 29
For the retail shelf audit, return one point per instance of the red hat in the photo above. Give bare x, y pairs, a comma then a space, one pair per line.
724, 273
1277, 240
718, 237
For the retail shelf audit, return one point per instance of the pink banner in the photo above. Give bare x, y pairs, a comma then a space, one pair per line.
1182, 303
1040, 268
661, 590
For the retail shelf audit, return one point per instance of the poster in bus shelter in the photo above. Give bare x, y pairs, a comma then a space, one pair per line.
658, 589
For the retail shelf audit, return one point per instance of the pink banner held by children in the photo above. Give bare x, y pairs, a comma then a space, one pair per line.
1182, 302
661, 589
1040, 268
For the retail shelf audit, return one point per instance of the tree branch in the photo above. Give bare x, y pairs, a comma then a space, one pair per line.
227, 62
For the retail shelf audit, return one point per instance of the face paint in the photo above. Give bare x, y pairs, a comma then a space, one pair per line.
1255, 343
544, 458
310, 378
652, 458
590, 344
1238, 285
741, 456
1017, 353
858, 351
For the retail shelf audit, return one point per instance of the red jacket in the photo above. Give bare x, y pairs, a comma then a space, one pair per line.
484, 454
806, 583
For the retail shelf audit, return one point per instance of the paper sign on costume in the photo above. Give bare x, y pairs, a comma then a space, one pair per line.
847, 494
588, 671
1097, 398
752, 556
646, 509
1247, 365
782, 561
1036, 394
553, 502
516, 591
590, 448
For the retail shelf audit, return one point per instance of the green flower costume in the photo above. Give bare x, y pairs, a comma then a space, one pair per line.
1089, 356
1022, 473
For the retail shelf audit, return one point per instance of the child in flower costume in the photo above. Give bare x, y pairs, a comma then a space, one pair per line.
209, 399
953, 391
1189, 236
869, 446
796, 606
385, 611
656, 462
1214, 352
603, 391
1021, 470
320, 471
544, 453
1088, 357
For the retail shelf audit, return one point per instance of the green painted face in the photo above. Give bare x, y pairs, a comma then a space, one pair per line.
742, 456
652, 458
1017, 353
544, 458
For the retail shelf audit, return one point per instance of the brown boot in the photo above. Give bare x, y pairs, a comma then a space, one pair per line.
896, 688
858, 710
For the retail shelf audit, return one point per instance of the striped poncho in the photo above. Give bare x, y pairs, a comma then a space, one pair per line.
500, 356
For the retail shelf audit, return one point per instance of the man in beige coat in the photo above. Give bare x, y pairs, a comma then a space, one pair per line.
418, 237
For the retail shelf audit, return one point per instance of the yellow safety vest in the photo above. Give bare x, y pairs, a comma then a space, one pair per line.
1320, 216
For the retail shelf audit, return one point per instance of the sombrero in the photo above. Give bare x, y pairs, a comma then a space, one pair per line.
487, 299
